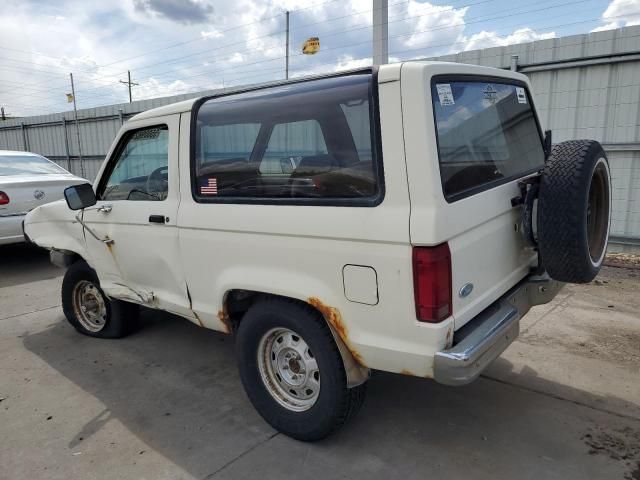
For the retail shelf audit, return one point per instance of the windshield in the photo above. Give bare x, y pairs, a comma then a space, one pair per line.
28, 165
487, 134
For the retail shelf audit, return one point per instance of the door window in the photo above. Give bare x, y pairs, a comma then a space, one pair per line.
140, 170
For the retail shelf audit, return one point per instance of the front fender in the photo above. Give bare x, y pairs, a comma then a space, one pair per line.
53, 226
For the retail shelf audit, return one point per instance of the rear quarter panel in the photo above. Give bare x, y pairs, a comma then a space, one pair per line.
486, 249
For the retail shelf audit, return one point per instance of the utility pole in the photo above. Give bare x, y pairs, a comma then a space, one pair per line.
129, 83
380, 32
286, 47
3, 116
75, 114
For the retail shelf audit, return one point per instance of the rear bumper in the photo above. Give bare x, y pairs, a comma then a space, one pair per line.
11, 228
485, 337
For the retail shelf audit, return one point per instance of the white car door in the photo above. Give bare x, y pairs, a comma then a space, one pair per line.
136, 250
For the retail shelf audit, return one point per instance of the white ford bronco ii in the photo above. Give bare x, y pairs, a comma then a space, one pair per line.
402, 218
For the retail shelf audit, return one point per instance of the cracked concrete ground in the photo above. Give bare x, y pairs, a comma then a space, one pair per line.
563, 402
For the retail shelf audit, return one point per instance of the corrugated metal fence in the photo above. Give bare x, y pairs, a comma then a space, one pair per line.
586, 86
55, 135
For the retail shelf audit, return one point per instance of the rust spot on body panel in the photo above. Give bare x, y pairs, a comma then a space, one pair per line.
223, 316
408, 372
333, 316
449, 339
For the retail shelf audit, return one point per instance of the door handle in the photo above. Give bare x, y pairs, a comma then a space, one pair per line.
105, 208
156, 219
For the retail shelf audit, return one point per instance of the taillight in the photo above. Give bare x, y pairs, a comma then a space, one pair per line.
4, 198
432, 282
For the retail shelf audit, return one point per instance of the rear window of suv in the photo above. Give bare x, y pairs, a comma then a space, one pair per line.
487, 134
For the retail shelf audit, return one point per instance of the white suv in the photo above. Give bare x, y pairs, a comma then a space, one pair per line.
400, 219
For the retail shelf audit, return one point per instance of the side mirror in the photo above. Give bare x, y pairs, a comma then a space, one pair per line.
547, 145
80, 196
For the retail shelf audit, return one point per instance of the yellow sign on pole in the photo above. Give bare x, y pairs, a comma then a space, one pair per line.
69, 97
311, 46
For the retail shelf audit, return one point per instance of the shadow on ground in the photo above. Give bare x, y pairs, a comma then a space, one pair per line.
176, 387
21, 263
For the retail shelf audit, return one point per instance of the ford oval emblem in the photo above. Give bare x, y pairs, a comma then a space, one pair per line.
38, 194
466, 290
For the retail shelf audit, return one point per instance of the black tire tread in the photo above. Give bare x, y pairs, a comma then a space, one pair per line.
350, 400
561, 210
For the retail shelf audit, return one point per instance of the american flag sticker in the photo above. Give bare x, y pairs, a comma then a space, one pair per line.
209, 187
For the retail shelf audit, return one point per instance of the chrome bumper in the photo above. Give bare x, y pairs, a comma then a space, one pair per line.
484, 338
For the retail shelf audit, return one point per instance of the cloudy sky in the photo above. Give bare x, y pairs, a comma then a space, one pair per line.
180, 46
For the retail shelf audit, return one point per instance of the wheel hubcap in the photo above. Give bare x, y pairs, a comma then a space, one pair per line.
89, 306
289, 369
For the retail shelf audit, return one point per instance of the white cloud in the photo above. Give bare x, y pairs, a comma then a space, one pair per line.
213, 33
168, 52
486, 39
433, 23
153, 88
237, 57
620, 13
347, 62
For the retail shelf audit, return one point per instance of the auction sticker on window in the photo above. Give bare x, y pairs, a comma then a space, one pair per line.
445, 94
522, 97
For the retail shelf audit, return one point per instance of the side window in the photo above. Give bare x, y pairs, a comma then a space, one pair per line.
227, 143
354, 112
141, 167
307, 140
291, 142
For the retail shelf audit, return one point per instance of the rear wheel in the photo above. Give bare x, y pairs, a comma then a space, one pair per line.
574, 211
292, 370
89, 310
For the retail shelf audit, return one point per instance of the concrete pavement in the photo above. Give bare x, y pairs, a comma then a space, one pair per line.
563, 402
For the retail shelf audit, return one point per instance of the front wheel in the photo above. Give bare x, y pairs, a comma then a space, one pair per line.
89, 310
292, 370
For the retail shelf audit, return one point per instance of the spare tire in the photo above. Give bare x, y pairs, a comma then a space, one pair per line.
574, 209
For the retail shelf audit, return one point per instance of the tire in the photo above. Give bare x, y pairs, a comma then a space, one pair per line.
105, 318
331, 404
574, 210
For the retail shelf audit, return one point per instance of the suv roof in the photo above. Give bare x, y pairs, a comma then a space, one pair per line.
186, 105
387, 71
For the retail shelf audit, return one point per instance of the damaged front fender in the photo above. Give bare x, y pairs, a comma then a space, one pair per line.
53, 226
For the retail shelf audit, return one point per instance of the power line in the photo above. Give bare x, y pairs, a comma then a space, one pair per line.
412, 33
339, 32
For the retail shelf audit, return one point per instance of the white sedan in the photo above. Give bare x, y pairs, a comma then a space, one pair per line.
27, 180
